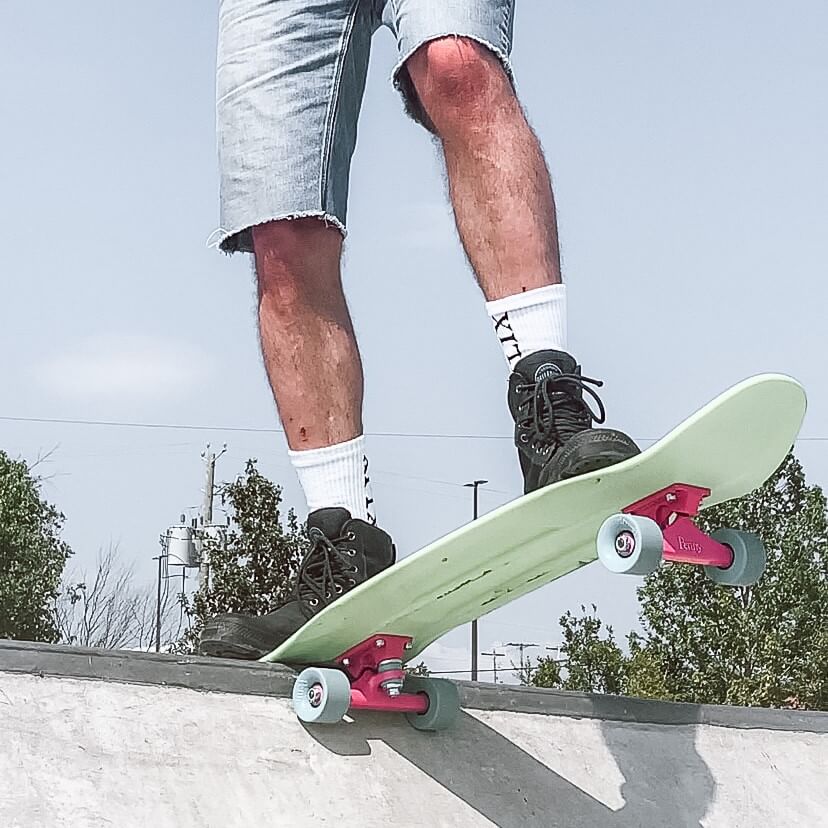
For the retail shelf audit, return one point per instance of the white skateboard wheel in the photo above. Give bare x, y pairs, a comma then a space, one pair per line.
630, 544
443, 702
321, 695
748, 558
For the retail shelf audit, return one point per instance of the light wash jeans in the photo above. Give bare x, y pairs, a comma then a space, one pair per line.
289, 84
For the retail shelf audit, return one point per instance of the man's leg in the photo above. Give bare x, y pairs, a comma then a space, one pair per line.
307, 338
505, 212
315, 373
498, 180
290, 79
312, 361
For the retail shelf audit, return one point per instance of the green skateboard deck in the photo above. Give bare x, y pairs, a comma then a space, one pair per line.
632, 515
731, 446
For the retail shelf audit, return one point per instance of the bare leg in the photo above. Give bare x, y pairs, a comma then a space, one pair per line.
307, 338
498, 180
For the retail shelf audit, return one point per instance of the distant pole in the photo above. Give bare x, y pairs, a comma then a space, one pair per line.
158, 608
209, 483
475, 484
207, 506
524, 671
494, 656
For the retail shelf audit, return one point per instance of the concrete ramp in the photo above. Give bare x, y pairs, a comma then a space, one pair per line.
96, 738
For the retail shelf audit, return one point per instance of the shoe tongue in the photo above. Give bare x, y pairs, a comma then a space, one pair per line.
542, 364
329, 521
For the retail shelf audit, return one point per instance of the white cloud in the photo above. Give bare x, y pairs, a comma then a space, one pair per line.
124, 367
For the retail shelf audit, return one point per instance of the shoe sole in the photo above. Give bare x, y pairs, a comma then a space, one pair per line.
587, 452
216, 648
226, 639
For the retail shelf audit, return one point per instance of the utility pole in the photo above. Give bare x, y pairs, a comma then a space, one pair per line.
187, 543
158, 607
475, 484
209, 485
494, 656
524, 671
557, 650
209, 458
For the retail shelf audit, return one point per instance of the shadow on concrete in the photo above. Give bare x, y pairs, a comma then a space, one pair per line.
666, 781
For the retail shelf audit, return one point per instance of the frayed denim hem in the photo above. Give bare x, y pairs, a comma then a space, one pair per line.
240, 240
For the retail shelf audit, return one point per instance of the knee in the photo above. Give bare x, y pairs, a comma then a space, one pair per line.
456, 78
293, 257
292, 242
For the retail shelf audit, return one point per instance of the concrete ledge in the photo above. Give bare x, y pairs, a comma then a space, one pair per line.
260, 679
193, 672
642, 711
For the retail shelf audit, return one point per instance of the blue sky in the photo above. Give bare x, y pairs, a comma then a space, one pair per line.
687, 145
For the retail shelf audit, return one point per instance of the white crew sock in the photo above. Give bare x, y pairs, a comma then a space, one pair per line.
532, 321
336, 476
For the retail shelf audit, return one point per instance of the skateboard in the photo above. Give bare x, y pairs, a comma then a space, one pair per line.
631, 516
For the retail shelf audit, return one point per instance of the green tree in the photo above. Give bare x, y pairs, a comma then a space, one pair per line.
32, 555
594, 662
763, 645
546, 673
644, 675
252, 569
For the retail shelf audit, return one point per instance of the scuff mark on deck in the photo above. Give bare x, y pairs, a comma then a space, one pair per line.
497, 596
465, 583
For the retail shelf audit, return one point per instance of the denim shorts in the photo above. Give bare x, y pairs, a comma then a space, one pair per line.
289, 83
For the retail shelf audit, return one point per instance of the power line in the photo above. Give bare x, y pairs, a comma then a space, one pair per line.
238, 429
487, 489
259, 430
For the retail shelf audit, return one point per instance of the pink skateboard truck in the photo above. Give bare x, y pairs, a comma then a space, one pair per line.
370, 676
660, 527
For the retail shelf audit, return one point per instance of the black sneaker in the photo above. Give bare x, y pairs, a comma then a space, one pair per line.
553, 422
344, 552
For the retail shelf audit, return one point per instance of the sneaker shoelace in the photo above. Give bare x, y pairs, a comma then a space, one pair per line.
327, 570
553, 409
